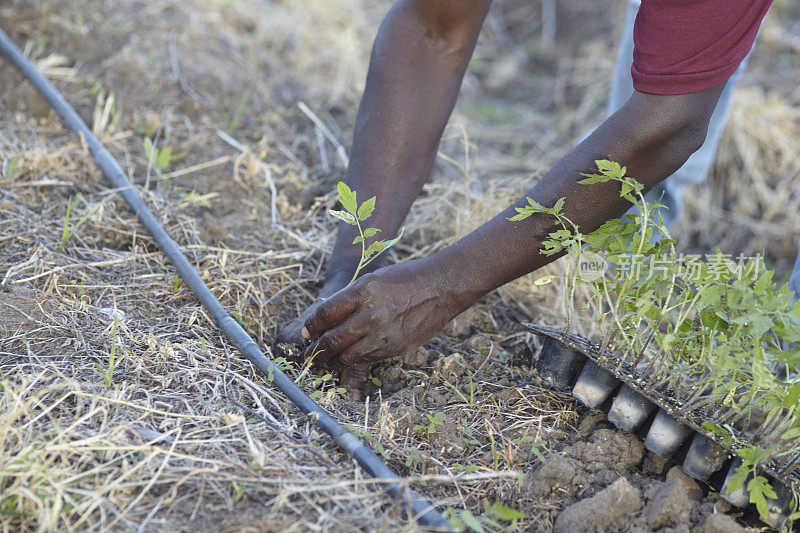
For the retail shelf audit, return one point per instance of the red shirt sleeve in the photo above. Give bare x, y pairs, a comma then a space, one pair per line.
686, 46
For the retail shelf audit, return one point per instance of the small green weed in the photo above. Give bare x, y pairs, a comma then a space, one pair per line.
108, 372
236, 118
8, 168
195, 198
161, 158
469, 401
434, 421
535, 446
493, 516
66, 230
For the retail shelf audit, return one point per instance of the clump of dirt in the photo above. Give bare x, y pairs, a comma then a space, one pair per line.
609, 450
671, 502
603, 479
602, 511
720, 523
558, 474
587, 464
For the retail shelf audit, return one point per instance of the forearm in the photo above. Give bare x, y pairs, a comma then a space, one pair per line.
416, 68
651, 137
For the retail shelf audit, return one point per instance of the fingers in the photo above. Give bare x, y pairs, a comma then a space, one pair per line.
353, 379
359, 353
328, 313
335, 340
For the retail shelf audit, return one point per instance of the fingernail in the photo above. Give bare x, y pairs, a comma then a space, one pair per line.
306, 335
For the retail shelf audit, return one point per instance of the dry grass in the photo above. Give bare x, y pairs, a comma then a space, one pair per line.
183, 433
755, 187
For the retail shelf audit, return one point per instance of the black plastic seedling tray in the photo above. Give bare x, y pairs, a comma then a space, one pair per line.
572, 363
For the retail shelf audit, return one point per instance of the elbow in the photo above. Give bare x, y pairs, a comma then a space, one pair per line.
654, 135
695, 129
676, 124
693, 135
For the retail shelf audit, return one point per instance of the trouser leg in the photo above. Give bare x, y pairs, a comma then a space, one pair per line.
794, 281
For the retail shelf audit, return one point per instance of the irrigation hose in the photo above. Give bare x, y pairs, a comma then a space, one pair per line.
424, 512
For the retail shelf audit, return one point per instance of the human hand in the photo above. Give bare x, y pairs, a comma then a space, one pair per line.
383, 314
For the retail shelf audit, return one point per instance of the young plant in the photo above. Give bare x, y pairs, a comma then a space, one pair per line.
66, 231
233, 123
568, 239
8, 168
354, 214
161, 158
433, 422
195, 198
108, 372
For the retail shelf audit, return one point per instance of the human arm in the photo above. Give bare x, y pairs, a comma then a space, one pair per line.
418, 61
397, 308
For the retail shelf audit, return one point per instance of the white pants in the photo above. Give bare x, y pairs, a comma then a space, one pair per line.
696, 168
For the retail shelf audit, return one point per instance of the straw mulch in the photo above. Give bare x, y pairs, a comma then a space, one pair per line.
122, 408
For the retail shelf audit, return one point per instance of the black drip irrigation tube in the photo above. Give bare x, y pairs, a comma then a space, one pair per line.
423, 511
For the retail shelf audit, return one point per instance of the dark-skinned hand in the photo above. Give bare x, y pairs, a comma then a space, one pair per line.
384, 314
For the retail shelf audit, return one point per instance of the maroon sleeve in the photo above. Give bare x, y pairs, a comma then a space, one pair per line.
686, 46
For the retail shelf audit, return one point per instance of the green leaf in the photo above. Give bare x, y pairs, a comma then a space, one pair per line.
757, 322
561, 235
610, 168
347, 198
714, 428
344, 217
369, 232
625, 189
593, 178
375, 248
379, 246
738, 478
653, 312
148, 148
792, 433
764, 281
502, 511
534, 204
792, 397
470, 521
710, 319
455, 523
534, 207
544, 280
522, 215
559, 204
760, 490
164, 157
366, 209
635, 185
